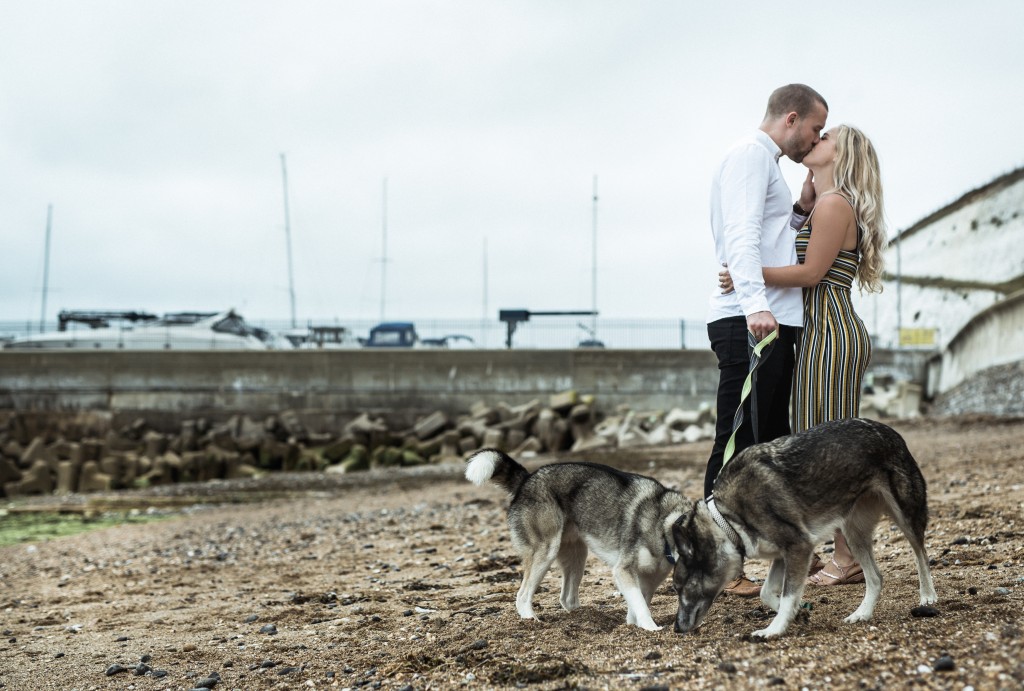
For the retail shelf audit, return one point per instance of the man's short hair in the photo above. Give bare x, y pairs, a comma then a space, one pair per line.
798, 98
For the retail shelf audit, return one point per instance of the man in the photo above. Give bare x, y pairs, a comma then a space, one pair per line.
752, 220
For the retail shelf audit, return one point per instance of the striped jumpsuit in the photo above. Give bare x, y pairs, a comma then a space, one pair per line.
834, 350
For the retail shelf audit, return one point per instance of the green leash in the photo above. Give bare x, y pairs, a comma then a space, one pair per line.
755, 362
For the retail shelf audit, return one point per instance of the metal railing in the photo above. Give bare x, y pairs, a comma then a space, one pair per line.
538, 333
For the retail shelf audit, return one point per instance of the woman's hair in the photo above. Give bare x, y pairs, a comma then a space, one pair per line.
857, 177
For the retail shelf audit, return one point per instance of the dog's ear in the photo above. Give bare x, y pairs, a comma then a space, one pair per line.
680, 536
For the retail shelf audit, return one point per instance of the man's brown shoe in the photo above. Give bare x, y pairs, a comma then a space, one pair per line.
742, 587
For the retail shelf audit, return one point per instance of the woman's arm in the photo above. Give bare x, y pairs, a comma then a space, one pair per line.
833, 223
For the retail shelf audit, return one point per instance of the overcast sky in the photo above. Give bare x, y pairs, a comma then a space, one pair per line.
156, 128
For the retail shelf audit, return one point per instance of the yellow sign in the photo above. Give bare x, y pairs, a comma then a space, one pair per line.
917, 337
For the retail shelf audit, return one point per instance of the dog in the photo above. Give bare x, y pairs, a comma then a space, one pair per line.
777, 500
563, 511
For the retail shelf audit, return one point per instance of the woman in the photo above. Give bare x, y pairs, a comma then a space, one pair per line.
842, 241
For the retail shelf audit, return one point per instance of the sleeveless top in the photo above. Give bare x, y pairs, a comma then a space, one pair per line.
834, 348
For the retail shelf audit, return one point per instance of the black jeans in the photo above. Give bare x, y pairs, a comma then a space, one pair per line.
774, 384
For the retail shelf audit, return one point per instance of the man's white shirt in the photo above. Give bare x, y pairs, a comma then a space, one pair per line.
752, 221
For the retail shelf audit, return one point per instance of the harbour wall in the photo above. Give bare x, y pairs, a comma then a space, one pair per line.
338, 385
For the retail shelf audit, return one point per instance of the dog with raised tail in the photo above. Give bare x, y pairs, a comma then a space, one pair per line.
563, 511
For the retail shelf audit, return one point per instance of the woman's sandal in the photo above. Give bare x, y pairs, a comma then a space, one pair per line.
851, 573
816, 565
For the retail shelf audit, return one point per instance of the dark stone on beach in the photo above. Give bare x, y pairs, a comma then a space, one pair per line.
115, 669
269, 629
727, 667
944, 663
924, 611
141, 669
653, 655
251, 619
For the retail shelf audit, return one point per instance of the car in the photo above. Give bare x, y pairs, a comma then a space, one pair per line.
392, 335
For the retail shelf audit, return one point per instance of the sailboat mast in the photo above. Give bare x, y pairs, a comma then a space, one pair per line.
288, 239
593, 264
46, 268
384, 249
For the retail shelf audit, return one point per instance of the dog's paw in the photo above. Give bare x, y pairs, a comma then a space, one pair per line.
650, 627
765, 634
857, 616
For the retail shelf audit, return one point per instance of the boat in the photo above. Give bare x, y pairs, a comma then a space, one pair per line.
143, 331
322, 338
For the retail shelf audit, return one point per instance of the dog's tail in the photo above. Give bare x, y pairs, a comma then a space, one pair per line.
497, 466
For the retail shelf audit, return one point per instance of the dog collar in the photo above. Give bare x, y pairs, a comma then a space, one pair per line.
734, 537
668, 553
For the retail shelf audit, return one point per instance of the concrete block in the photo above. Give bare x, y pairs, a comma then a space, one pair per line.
114, 442
358, 459
484, 412
67, 477
154, 444
411, 458
191, 465
908, 400
609, 427
92, 480
366, 431
630, 434
474, 427
514, 438
468, 444
431, 425
158, 473
338, 449
35, 480
528, 448
592, 442
385, 457
12, 449
563, 402
494, 439
35, 451
8, 471
528, 410
581, 424
292, 423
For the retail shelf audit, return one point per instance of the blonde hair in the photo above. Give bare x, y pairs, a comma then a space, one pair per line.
857, 177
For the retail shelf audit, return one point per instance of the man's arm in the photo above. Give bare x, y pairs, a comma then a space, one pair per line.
744, 190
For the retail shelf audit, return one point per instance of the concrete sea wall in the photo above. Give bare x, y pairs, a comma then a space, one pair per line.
342, 384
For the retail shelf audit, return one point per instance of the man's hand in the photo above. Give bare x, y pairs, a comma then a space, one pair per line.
761, 324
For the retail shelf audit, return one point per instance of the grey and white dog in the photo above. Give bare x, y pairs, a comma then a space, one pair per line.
779, 499
776, 501
564, 510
